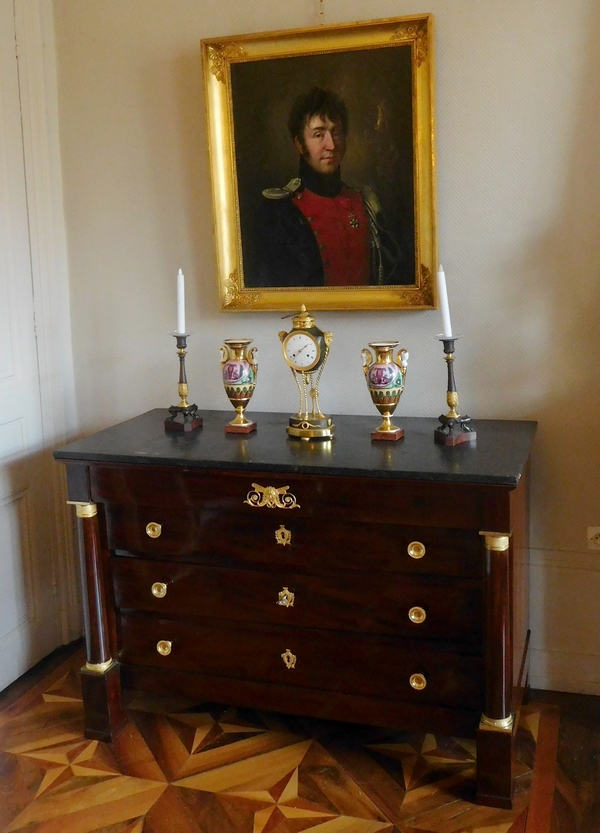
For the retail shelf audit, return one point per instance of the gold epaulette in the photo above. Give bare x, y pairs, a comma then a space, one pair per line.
283, 193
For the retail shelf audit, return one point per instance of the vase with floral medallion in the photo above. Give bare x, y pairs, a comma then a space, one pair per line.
385, 375
239, 371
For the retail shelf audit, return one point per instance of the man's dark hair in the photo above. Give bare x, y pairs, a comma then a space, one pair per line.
316, 102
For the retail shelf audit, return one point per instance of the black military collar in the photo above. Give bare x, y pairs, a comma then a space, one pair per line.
324, 185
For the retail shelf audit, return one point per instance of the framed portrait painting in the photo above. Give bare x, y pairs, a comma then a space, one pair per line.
322, 162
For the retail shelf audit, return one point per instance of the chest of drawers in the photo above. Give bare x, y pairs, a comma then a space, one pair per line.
369, 582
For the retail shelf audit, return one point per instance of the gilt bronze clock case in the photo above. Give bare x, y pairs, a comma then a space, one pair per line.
305, 350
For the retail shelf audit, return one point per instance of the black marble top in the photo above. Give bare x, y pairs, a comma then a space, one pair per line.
498, 458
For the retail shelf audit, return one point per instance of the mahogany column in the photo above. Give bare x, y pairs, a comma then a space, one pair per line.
100, 676
495, 734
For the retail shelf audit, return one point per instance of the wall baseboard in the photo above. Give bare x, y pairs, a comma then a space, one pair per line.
565, 671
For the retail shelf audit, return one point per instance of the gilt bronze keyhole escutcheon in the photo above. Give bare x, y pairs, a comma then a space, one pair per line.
283, 536
286, 598
289, 659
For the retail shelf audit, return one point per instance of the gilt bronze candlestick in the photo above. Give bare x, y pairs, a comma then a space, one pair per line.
184, 417
455, 428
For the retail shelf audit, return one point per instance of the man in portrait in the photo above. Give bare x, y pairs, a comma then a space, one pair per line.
317, 231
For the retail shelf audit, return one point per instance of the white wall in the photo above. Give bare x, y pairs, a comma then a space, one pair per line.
518, 104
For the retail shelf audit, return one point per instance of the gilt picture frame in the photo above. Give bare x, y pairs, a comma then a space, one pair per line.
383, 72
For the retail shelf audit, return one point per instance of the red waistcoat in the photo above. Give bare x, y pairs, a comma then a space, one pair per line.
341, 227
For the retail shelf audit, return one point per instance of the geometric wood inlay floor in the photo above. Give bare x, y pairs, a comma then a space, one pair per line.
180, 767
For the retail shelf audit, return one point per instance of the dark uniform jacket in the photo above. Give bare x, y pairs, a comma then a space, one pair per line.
318, 232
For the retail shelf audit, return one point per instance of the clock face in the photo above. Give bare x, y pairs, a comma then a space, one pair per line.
301, 351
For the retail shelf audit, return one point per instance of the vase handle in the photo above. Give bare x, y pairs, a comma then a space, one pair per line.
225, 355
367, 358
402, 360
250, 357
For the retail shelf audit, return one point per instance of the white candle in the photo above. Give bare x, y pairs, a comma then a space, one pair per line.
180, 302
443, 296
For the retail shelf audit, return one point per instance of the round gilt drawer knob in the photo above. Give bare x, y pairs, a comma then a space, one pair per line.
163, 646
153, 530
418, 681
416, 549
417, 615
159, 589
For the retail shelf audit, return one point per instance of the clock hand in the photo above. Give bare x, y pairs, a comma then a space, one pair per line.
300, 350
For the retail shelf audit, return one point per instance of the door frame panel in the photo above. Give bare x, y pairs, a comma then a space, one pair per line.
37, 74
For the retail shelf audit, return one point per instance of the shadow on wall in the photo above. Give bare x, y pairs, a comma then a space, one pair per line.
178, 175
566, 461
566, 457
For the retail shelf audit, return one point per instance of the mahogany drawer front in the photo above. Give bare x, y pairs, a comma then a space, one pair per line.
373, 603
289, 541
324, 660
368, 499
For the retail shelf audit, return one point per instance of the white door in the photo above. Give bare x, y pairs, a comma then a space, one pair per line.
28, 615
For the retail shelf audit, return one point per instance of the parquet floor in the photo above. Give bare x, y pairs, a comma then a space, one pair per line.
180, 767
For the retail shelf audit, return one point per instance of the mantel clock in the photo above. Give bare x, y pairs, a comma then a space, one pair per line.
305, 349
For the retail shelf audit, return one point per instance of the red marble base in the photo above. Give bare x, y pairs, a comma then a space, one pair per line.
187, 427
240, 429
388, 435
456, 439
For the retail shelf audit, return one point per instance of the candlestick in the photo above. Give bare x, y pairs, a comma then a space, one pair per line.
183, 417
455, 428
444, 306
180, 302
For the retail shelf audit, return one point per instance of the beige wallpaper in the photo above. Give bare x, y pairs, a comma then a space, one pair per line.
518, 113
